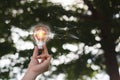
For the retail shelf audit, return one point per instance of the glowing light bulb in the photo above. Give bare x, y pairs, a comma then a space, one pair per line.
41, 35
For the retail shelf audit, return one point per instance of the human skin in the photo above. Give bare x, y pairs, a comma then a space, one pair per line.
35, 67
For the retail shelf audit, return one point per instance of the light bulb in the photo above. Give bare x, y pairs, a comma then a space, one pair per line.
41, 35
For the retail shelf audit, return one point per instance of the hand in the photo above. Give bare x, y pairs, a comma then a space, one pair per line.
35, 67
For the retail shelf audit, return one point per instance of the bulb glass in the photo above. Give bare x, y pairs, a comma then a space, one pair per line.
41, 36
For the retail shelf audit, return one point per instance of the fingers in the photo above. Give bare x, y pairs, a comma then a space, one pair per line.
45, 62
49, 58
43, 56
44, 65
44, 51
35, 53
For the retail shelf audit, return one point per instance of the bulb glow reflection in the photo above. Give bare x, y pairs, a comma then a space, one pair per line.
41, 35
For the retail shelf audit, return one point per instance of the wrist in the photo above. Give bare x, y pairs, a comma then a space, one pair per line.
30, 75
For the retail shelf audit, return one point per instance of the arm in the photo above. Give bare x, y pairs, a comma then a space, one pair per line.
35, 67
